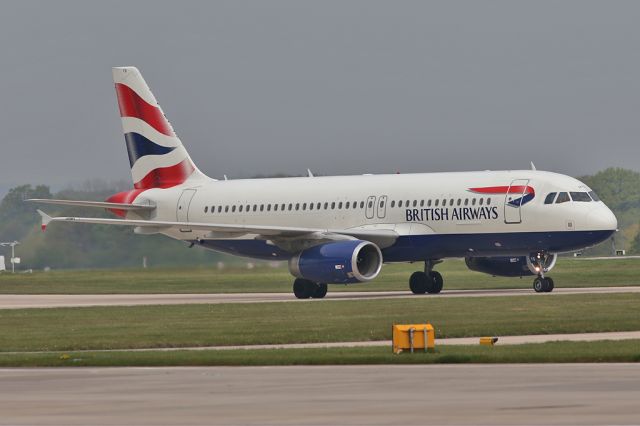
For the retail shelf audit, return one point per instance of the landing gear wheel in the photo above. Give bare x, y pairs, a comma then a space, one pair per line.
303, 289
539, 285
543, 285
419, 282
436, 283
320, 291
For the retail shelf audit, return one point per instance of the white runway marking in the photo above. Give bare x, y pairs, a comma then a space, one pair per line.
21, 301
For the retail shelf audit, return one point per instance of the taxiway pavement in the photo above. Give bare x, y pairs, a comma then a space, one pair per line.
529, 394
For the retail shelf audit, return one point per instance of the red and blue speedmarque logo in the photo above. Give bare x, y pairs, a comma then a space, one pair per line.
523, 193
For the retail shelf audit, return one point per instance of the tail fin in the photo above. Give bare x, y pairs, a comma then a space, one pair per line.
156, 155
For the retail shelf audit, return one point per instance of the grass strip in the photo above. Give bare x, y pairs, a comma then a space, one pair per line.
555, 352
316, 321
568, 273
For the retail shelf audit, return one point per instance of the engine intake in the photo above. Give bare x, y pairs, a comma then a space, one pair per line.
339, 262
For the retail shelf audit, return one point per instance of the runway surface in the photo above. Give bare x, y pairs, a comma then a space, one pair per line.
533, 394
20, 301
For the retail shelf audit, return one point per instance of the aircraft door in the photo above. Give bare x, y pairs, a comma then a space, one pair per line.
182, 209
382, 206
513, 201
370, 208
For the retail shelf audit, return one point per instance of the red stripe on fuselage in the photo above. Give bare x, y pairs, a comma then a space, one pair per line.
516, 189
166, 177
132, 105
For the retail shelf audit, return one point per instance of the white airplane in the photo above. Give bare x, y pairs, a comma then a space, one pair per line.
341, 229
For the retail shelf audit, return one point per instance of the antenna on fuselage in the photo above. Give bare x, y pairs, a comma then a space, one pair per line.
309, 173
533, 166
225, 177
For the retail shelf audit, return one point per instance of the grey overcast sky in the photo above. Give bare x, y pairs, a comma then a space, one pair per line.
341, 87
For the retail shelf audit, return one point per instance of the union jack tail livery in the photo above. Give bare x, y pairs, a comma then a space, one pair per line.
156, 155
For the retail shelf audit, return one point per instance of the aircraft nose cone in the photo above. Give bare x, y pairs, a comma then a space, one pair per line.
602, 219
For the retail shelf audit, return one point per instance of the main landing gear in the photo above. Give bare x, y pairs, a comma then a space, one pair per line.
541, 263
304, 289
429, 281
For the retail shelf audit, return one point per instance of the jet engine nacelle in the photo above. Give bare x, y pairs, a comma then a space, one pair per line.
516, 266
339, 262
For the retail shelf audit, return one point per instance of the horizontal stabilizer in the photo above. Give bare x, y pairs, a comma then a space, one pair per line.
98, 204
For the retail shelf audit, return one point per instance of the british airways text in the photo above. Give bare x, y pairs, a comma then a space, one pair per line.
457, 213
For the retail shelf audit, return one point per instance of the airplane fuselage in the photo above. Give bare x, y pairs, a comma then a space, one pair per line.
436, 215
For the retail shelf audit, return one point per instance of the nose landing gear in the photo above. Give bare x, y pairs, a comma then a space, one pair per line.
540, 263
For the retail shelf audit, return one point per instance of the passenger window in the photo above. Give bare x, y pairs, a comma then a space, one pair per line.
473, 201
233, 209
437, 202
282, 206
333, 205
451, 202
421, 203
275, 207
219, 209
290, 206
381, 204
226, 209
459, 202
444, 202
481, 201
563, 197
371, 204
304, 206
318, 206
261, 207
488, 201
355, 204
550, 198
297, 206
393, 203
429, 203
326, 206
255, 207
340, 205
400, 203
347, 205
466, 201
206, 209
240, 208
407, 204
415, 203
582, 197
594, 196
310, 206
361, 204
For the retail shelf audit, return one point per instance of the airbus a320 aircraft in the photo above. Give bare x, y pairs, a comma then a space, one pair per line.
341, 229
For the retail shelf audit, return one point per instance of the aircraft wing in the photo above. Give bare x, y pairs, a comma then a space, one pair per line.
382, 237
99, 204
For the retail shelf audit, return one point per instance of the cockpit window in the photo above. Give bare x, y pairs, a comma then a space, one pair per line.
594, 196
550, 198
563, 197
580, 196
